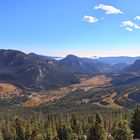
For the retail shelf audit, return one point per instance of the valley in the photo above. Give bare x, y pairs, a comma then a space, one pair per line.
91, 91
69, 70
38, 82
34, 98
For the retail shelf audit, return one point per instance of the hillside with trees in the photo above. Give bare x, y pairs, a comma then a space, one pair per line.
72, 127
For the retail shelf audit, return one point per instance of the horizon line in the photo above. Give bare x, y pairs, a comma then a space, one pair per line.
62, 56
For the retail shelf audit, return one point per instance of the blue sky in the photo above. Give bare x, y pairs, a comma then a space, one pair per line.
81, 27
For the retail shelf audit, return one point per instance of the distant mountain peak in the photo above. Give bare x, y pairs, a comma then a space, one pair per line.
94, 57
70, 56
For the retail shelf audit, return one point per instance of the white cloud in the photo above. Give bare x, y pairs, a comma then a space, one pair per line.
90, 19
129, 29
137, 18
130, 24
109, 9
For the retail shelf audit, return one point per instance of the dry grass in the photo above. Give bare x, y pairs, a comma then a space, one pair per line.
87, 84
36, 99
8, 91
110, 100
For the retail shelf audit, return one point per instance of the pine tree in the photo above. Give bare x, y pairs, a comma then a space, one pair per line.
67, 133
52, 128
49, 134
8, 130
135, 122
121, 131
20, 128
97, 131
1, 135
77, 127
41, 128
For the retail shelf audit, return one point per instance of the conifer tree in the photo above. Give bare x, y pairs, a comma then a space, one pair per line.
121, 131
67, 133
52, 129
135, 122
8, 130
28, 132
41, 128
1, 135
49, 134
77, 127
97, 131
20, 128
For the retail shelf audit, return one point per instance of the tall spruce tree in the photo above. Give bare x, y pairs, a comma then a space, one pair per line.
41, 128
77, 127
1, 135
50, 135
52, 129
135, 122
121, 131
8, 129
67, 133
20, 128
97, 131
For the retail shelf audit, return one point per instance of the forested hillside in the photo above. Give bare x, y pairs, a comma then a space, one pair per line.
111, 126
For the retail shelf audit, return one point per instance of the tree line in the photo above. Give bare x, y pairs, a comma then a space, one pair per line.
71, 127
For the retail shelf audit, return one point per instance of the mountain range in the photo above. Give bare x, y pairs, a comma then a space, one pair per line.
33, 71
115, 60
40, 79
43, 72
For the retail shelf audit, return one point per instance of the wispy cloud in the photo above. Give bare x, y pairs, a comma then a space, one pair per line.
129, 23
90, 19
137, 18
109, 9
129, 29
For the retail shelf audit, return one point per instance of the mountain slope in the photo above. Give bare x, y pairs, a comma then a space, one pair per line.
84, 66
32, 71
134, 68
119, 67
